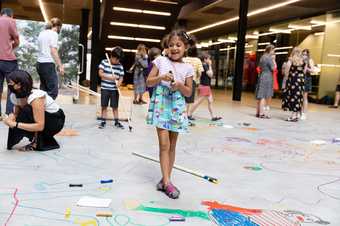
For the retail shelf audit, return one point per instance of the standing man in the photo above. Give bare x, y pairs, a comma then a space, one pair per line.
48, 56
9, 40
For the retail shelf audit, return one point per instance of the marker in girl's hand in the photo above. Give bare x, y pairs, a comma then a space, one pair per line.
172, 80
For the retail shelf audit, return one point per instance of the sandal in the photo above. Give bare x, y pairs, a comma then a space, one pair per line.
291, 119
160, 186
29, 147
260, 116
216, 118
135, 102
171, 191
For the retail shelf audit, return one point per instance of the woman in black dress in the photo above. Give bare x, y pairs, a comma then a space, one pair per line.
294, 88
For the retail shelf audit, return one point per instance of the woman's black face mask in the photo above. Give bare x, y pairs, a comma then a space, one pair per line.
18, 93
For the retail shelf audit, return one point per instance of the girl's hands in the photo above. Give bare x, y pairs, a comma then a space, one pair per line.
10, 121
168, 77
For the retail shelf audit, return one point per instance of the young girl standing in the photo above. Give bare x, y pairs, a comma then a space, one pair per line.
167, 111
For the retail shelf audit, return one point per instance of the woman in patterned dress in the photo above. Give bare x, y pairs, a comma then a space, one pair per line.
264, 88
294, 88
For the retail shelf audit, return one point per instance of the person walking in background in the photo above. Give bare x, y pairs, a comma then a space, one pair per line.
204, 88
141, 65
295, 84
9, 40
309, 69
264, 88
192, 58
48, 58
337, 95
153, 53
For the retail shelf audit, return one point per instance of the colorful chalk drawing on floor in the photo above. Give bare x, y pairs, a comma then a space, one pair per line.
227, 215
137, 206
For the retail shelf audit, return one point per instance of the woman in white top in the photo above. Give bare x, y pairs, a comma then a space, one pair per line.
36, 115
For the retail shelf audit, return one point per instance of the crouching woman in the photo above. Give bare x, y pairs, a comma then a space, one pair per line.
36, 115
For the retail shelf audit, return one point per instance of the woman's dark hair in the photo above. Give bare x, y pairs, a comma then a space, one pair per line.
7, 12
153, 53
186, 38
24, 79
117, 52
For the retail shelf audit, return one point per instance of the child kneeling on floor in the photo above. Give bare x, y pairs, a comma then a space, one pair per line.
111, 74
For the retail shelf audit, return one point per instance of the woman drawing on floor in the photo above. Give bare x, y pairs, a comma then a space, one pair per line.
36, 115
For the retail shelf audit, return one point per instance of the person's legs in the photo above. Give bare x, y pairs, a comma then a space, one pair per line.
48, 79
337, 98
14, 134
2, 79
260, 107
210, 101
114, 106
8, 67
164, 154
173, 141
198, 101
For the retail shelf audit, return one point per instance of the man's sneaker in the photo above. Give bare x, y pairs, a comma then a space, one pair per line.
102, 125
303, 116
119, 125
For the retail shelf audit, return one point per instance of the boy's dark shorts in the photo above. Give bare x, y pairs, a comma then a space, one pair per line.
111, 96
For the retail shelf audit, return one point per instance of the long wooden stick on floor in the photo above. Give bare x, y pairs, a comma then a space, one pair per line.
208, 178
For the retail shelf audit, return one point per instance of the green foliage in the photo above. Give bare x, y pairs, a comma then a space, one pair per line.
28, 50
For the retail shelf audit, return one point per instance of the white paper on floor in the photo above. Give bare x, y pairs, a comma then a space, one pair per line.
93, 202
318, 142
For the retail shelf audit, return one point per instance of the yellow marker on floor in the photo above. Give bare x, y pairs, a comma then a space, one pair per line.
87, 223
67, 213
104, 214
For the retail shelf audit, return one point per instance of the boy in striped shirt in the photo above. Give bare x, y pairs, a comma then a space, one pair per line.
111, 78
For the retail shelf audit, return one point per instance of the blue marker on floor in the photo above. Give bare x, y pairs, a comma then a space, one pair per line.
106, 181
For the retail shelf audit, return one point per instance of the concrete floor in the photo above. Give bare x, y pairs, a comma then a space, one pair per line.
269, 172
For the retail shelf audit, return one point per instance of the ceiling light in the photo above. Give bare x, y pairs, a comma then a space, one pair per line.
133, 38
226, 40
252, 36
89, 34
333, 55
285, 47
319, 33
263, 43
299, 27
43, 10
137, 25
281, 53
255, 12
141, 11
284, 31
120, 37
125, 50
162, 1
